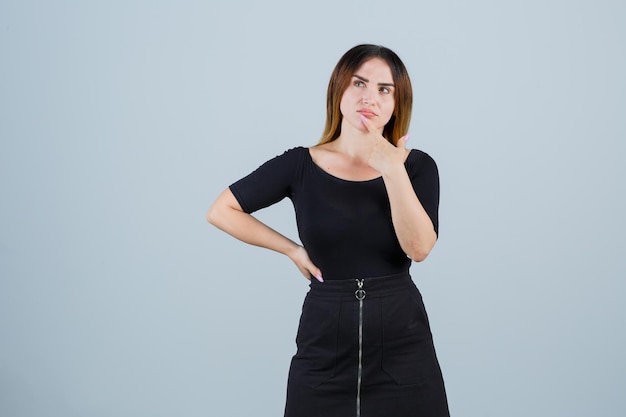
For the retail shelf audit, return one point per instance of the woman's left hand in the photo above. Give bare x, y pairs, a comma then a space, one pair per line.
414, 228
384, 155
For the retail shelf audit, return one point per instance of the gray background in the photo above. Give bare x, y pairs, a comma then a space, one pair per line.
121, 121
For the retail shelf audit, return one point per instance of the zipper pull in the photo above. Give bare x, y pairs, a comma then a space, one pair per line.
360, 292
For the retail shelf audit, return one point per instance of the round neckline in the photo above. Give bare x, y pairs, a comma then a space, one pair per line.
322, 170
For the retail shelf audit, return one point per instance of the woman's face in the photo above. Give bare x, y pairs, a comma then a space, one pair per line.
370, 94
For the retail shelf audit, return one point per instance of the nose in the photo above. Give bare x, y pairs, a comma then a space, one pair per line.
368, 97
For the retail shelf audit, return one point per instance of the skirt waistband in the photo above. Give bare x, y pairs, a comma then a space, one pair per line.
374, 286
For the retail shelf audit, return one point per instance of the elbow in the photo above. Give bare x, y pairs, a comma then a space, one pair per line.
419, 251
212, 215
418, 255
221, 211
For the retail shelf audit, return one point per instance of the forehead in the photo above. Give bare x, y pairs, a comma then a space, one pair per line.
377, 69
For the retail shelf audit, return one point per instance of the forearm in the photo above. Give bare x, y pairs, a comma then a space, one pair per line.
411, 223
226, 214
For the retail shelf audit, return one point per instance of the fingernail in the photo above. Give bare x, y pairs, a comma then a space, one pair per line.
319, 277
406, 138
363, 119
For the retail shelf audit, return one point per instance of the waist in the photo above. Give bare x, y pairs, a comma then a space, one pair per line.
374, 286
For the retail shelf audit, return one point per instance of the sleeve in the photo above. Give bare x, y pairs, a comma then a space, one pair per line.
424, 177
268, 184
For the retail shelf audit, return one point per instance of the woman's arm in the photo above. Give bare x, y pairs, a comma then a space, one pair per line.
226, 214
412, 225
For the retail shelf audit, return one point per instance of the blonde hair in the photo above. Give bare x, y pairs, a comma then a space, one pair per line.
349, 63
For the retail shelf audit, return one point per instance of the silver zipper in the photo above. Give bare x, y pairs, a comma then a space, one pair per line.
360, 295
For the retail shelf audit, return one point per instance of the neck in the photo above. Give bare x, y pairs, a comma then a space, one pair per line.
353, 142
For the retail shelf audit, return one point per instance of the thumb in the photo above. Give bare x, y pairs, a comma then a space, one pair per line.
315, 271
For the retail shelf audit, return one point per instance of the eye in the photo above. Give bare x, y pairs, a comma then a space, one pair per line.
384, 90
359, 83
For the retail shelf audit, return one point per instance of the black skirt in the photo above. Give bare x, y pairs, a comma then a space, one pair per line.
365, 349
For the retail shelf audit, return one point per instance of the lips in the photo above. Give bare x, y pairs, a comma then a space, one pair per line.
367, 113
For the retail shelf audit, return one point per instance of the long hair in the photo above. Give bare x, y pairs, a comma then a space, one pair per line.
341, 77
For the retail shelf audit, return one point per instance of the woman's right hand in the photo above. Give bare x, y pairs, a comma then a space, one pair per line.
300, 257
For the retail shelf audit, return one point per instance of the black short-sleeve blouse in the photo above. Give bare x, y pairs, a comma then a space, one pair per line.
344, 225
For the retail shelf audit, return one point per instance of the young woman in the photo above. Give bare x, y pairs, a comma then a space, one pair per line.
365, 207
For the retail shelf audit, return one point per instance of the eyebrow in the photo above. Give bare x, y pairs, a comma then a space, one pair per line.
367, 81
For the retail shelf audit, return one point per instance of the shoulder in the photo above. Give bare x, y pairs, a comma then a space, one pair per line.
294, 153
420, 161
287, 165
321, 153
288, 157
296, 150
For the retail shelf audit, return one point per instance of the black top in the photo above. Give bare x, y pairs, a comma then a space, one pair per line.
344, 225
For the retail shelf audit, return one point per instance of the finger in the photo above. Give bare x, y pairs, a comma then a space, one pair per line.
403, 140
318, 275
305, 273
312, 269
375, 134
309, 270
368, 125
315, 271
